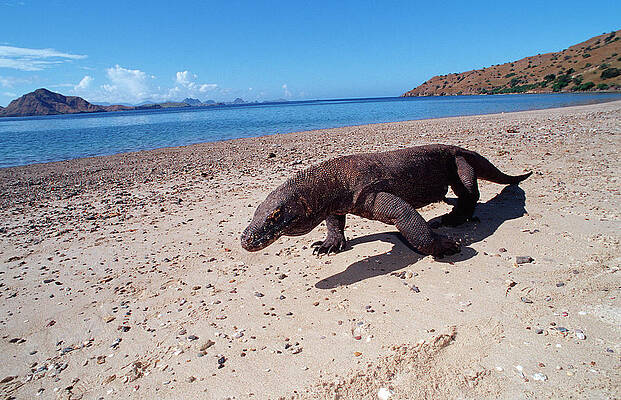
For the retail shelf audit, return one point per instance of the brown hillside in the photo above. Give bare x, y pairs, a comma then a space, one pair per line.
597, 60
45, 102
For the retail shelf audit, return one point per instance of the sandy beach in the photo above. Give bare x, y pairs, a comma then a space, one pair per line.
123, 277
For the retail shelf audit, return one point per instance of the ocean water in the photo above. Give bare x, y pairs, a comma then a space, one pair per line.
53, 138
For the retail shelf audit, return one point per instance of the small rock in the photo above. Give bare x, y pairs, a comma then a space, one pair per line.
258, 294
527, 300
580, 334
384, 393
192, 338
191, 379
560, 284
282, 276
540, 377
357, 353
524, 259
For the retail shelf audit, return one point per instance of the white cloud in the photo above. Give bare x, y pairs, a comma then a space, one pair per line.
185, 78
6, 82
84, 83
132, 86
11, 81
126, 85
205, 87
287, 93
25, 59
186, 86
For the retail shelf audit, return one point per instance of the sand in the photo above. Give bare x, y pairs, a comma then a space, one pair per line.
123, 277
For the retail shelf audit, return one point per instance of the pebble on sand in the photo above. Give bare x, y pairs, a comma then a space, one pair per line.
524, 259
384, 393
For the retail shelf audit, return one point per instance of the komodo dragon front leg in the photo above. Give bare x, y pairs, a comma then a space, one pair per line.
335, 241
391, 209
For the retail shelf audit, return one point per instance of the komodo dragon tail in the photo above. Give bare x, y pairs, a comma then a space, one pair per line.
485, 170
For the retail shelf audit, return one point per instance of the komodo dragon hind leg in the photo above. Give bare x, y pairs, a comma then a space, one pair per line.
335, 241
467, 190
392, 210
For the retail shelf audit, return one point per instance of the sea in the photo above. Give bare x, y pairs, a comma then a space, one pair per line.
29, 140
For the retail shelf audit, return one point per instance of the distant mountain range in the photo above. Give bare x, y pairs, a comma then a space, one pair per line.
45, 102
593, 65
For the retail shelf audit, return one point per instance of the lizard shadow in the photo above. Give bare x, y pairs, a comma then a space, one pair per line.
508, 204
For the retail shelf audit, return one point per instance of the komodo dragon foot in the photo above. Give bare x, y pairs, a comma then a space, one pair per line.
442, 246
330, 245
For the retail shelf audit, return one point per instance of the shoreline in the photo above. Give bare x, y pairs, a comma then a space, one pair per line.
118, 272
293, 102
314, 130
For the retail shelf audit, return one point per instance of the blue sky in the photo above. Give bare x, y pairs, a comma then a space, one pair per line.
127, 52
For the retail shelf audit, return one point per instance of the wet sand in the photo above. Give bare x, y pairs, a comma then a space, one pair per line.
123, 277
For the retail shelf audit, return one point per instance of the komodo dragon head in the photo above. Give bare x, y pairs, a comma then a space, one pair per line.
282, 213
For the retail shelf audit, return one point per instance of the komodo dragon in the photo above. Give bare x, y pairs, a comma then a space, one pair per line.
386, 187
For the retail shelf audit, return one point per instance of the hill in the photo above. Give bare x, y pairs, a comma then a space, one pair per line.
192, 102
591, 65
45, 102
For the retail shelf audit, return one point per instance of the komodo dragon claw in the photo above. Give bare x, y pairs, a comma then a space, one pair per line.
326, 247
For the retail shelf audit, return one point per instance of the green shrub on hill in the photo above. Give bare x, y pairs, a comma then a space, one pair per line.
561, 82
584, 86
602, 86
610, 73
609, 37
514, 81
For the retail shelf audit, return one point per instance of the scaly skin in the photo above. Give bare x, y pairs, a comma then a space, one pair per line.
386, 187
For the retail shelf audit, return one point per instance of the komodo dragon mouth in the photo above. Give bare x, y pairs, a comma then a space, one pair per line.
260, 234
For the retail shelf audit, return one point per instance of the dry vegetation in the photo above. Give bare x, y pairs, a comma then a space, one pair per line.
594, 65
